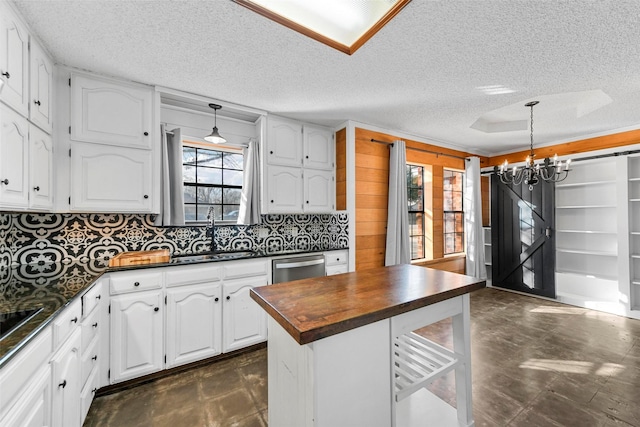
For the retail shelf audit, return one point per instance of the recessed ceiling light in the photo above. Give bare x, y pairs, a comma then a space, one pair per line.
342, 24
495, 89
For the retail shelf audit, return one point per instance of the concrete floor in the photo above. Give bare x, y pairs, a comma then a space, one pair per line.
534, 363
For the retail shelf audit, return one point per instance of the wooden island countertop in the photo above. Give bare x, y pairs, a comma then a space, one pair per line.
311, 309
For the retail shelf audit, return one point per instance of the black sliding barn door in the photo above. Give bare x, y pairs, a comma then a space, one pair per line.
523, 237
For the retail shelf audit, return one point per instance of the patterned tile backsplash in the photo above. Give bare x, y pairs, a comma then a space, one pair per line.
27, 238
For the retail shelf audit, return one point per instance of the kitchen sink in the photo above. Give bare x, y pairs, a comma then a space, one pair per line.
219, 256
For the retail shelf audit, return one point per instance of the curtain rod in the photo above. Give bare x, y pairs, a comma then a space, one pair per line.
422, 150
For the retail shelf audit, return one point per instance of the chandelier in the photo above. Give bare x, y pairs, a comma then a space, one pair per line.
531, 173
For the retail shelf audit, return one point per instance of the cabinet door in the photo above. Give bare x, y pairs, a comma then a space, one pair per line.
40, 169
244, 322
41, 84
110, 112
136, 335
14, 149
33, 408
284, 142
318, 148
284, 190
194, 316
66, 383
110, 179
14, 42
319, 194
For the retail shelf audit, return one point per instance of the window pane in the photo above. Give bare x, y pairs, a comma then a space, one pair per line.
449, 244
209, 176
189, 173
449, 222
459, 239
203, 209
190, 195
456, 200
209, 195
209, 158
415, 199
447, 203
417, 247
459, 222
232, 196
416, 224
231, 177
189, 212
231, 212
189, 155
232, 161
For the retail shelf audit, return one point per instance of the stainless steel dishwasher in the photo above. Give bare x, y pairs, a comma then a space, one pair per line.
296, 268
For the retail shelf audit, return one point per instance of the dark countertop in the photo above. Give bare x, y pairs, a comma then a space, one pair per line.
312, 309
53, 286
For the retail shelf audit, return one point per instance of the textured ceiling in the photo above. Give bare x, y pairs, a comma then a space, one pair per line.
419, 75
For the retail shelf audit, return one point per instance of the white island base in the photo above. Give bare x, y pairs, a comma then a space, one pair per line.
372, 376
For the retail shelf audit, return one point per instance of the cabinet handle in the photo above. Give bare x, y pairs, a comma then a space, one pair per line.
5, 181
36, 188
94, 390
270, 152
98, 296
338, 259
37, 102
63, 384
6, 74
95, 325
136, 284
75, 319
156, 309
146, 134
146, 196
307, 202
95, 357
306, 157
217, 299
228, 297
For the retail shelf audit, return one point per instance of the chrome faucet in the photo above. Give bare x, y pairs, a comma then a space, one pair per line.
211, 228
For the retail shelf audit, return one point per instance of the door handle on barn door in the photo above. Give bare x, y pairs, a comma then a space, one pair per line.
547, 232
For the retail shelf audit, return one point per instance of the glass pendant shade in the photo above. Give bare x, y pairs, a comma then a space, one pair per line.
214, 137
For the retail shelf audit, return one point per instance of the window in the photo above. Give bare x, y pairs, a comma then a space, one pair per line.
453, 213
415, 194
211, 178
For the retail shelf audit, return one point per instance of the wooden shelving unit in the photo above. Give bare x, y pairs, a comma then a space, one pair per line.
486, 234
634, 230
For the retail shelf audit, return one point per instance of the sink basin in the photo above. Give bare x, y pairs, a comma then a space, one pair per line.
178, 259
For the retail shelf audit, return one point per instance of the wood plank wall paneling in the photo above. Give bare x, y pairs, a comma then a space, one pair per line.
598, 143
485, 185
372, 180
341, 169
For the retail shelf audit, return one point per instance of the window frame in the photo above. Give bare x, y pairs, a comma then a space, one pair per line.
219, 148
409, 211
456, 212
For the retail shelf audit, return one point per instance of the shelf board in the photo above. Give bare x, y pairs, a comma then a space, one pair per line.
583, 274
586, 206
586, 183
635, 255
634, 200
634, 179
635, 233
585, 252
588, 232
635, 282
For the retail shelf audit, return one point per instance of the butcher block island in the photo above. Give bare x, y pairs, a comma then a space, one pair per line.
342, 351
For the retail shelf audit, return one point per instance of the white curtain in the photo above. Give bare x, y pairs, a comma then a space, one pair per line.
397, 246
171, 185
473, 219
250, 200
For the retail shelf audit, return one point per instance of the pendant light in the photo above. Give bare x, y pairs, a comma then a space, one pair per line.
215, 137
532, 172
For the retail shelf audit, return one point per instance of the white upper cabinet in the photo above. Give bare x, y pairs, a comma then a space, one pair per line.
318, 148
40, 169
283, 189
319, 191
14, 151
14, 63
109, 112
284, 142
41, 86
105, 179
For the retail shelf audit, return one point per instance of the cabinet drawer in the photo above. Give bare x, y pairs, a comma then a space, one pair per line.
89, 362
176, 276
336, 257
245, 269
123, 283
87, 394
336, 269
66, 323
18, 371
91, 299
90, 327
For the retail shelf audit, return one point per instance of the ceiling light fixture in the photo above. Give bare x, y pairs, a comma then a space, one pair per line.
344, 25
532, 173
215, 137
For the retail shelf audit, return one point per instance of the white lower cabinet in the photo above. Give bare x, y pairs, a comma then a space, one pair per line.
65, 365
194, 316
336, 262
244, 322
34, 407
136, 335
